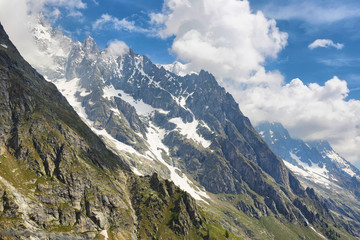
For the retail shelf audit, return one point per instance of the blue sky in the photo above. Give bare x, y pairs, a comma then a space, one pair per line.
259, 50
320, 64
137, 11
296, 60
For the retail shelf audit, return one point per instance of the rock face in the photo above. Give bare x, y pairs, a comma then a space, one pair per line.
57, 178
154, 199
318, 166
198, 126
187, 129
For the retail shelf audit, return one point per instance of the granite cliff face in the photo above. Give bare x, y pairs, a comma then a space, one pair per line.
58, 180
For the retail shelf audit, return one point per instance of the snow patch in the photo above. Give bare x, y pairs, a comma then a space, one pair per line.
155, 136
119, 145
314, 173
307, 222
69, 90
271, 133
136, 171
116, 112
349, 171
84, 93
189, 130
344, 166
141, 108
3, 45
295, 157
110, 92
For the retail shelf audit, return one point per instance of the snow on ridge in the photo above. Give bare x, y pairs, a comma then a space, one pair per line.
69, 88
335, 157
139, 65
155, 136
349, 171
308, 174
344, 166
315, 172
141, 107
189, 130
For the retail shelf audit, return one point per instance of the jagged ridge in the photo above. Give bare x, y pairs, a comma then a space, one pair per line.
158, 121
57, 178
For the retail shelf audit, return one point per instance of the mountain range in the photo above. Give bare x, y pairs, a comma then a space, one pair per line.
318, 166
91, 162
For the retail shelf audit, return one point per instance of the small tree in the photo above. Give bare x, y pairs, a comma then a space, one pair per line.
227, 235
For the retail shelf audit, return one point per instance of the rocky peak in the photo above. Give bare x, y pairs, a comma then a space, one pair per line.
90, 46
274, 130
321, 145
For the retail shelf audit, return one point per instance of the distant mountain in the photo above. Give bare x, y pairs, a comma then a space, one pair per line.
189, 130
318, 166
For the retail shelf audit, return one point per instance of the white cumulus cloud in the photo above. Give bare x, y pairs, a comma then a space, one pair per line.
116, 48
310, 112
47, 7
222, 36
325, 43
111, 22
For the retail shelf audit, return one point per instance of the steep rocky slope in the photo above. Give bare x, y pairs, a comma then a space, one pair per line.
318, 166
58, 180
189, 130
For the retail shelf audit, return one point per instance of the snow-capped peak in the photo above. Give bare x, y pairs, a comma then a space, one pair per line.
90, 46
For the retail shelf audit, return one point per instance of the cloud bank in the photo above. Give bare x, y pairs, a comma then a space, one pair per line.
226, 38
27, 13
325, 43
